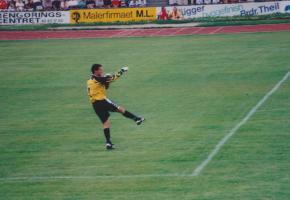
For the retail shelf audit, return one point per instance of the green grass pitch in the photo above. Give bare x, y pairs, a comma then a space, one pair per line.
192, 91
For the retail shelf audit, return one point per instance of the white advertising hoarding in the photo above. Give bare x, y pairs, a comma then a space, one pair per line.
35, 17
285, 6
221, 10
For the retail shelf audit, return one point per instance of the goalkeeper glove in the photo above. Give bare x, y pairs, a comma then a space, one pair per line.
124, 69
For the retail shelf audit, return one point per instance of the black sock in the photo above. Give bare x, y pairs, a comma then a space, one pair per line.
107, 135
130, 115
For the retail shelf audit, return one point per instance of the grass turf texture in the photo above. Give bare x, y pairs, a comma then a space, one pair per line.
191, 89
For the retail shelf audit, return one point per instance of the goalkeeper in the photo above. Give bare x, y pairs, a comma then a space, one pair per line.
97, 86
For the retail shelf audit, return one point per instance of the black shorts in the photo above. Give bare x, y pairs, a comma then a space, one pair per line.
103, 107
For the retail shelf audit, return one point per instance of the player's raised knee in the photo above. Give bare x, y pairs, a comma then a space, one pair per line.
121, 110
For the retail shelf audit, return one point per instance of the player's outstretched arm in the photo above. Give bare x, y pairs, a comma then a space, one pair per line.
119, 74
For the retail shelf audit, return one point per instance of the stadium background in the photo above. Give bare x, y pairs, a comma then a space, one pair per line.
143, 13
192, 90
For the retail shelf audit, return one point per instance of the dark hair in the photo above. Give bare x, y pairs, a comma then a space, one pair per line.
95, 67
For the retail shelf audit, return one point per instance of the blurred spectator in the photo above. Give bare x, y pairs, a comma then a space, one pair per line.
99, 3
179, 2
133, 3
37, 5
28, 5
90, 4
141, 3
47, 4
215, 1
116, 3
72, 4
173, 2
163, 15
3, 5
175, 14
127, 2
124, 3
56, 4
183, 2
207, 1
11, 5
107, 3
82, 4
199, 2
19, 5
63, 5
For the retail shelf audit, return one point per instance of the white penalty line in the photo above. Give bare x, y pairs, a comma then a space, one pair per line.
221, 143
197, 170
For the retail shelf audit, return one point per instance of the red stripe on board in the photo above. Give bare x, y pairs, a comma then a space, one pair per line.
31, 35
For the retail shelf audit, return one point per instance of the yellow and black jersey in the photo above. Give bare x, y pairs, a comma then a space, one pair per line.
97, 86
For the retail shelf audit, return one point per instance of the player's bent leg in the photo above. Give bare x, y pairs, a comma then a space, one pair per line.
130, 115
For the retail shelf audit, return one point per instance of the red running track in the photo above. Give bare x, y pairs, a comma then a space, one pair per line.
75, 34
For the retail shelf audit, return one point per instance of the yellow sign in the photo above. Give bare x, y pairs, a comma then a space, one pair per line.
112, 15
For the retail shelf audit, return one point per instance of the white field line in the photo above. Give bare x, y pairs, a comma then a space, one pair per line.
177, 31
196, 172
197, 30
221, 143
46, 178
121, 33
216, 30
156, 33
